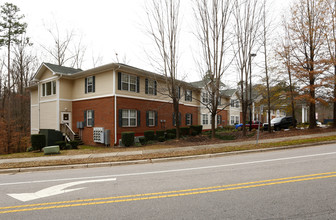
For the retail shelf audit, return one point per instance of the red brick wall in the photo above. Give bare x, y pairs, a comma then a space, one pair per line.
104, 115
224, 115
165, 112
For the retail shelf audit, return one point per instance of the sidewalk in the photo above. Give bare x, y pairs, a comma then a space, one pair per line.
143, 152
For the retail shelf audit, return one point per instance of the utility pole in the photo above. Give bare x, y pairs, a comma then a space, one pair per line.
250, 102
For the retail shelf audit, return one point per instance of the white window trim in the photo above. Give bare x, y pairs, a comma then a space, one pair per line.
53, 88
189, 96
205, 97
188, 118
87, 84
88, 112
129, 118
151, 85
151, 118
128, 82
205, 118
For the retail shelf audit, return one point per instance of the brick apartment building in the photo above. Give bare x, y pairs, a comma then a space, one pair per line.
118, 98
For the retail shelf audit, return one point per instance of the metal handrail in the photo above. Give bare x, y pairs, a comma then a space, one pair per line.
65, 128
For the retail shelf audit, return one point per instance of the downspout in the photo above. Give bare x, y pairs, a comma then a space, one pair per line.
39, 111
115, 106
58, 101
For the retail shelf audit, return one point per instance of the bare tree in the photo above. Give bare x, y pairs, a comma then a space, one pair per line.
163, 20
248, 17
331, 42
213, 18
307, 28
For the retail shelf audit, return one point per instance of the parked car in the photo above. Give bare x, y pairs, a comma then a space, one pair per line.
254, 125
280, 123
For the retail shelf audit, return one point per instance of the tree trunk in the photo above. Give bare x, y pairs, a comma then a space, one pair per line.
334, 115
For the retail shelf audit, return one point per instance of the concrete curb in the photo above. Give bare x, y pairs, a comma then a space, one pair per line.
158, 160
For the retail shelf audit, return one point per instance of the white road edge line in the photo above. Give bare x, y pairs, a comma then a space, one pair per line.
170, 171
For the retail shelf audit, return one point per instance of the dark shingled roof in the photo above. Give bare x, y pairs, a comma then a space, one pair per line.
62, 69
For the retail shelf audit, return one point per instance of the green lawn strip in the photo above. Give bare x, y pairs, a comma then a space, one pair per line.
166, 154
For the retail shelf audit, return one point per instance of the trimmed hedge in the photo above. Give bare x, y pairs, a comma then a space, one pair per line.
185, 131
161, 138
127, 138
142, 140
160, 134
38, 141
171, 136
149, 135
171, 131
74, 144
61, 144
197, 128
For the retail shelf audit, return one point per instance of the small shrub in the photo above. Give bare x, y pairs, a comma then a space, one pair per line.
149, 135
194, 133
229, 128
38, 141
185, 131
226, 137
68, 146
61, 144
74, 144
160, 133
142, 140
197, 128
171, 136
30, 149
161, 138
171, 131
127, 138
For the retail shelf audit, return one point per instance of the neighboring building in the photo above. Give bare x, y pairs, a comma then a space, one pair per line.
114, 97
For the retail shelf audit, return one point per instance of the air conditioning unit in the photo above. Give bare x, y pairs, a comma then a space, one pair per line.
98, 135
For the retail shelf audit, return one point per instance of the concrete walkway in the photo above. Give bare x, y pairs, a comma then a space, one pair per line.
164, 150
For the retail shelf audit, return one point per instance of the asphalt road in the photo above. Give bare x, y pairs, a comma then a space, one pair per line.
289, 184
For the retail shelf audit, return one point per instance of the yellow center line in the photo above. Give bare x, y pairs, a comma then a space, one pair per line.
176, 193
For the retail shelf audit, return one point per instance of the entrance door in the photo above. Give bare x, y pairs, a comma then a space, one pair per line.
66, 118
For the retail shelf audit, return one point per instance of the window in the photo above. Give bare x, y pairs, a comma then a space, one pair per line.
205, 119
129, 118
188, 95
237, 120
219, 100
89, 118
188, 119
235, 103
150, 87
232, 120
205, 97
49, 88
129, 82
151, 118
219, 119
90, 84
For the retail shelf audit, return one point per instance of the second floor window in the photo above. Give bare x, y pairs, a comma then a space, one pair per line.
205, 97
49, 88
90, 84
150, 87
128, 82
188, 95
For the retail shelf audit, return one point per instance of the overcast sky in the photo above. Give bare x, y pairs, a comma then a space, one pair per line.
112, 26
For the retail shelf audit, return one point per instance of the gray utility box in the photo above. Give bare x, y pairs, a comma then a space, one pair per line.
107, 137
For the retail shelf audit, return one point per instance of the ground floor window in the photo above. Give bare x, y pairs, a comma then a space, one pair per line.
219, 119
237, 120
89, 118
232, 120
129, 118
205, 119
151, 118
188, 119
